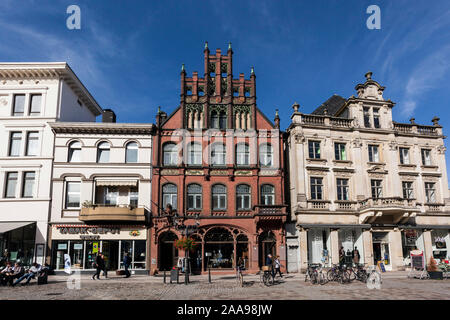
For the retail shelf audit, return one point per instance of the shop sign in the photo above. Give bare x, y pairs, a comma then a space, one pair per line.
83, 237
440, 242
135, 233
62, 246
89, 230
78, 246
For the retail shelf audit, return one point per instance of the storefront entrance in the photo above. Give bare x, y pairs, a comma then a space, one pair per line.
168, 254
110, 250
267, 245
381, 248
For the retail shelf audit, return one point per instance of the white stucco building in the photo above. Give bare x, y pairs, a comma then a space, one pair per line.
360, 179
33, 95
101, 193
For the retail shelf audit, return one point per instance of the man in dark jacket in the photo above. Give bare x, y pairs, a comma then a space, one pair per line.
126, 264
99, 265
269, 263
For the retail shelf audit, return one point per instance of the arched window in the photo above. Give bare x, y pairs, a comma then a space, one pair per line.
169, 195
242, 154
74, 152
243, 197
219, 197
170, 154
103, 152
218, 154
266, 155
131, 152
267, 194
194, 197
194, 154
220, 244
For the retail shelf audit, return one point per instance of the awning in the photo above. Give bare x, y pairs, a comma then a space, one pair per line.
8, 226
117, 183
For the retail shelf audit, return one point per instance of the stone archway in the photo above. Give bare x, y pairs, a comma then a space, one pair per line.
267, 244
167, 253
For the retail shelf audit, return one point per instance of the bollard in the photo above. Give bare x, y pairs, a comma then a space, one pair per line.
164, 276
209, 274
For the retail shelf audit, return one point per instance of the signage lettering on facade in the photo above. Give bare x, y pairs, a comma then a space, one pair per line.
93, 230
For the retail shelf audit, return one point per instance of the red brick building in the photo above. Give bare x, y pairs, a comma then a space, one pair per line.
218, 162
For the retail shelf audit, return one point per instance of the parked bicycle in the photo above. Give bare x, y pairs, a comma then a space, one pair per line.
338, 273
316, 274
266, 276
240, 275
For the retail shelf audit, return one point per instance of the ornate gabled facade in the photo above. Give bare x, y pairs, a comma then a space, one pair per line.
360, 179
219, 159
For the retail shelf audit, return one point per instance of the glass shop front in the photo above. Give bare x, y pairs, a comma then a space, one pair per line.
82, 243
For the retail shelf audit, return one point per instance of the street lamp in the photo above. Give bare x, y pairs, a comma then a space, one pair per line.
178, 222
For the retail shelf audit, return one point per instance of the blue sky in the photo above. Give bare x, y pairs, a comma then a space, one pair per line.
129, 53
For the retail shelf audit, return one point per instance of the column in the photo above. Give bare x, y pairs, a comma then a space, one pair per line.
428, 245
303, 247
396, 254
367, 247
334, 246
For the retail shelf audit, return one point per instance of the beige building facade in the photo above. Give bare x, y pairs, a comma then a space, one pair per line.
360, 180
101, 188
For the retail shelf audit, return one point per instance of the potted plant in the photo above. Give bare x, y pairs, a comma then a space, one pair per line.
434, 271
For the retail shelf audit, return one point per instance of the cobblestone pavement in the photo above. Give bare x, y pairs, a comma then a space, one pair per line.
394, 286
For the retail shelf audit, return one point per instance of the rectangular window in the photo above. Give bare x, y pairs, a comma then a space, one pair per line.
377, 190
28, 184
407, 187
430, 192
11, 183
219, 201
373, 153
35, 104
134, 196
404, 155
339, 151
194, 201
426, 157
72, 194
314, 149
376, 117
32, 143
15, 144
19, 105
366, 112
342, 189
316, 188
111, 195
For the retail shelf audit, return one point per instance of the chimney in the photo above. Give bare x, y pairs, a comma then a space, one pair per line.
108, 116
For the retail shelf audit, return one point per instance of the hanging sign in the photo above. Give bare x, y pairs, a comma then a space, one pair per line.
95, 247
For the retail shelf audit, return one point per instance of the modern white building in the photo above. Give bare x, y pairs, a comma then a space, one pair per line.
33, 95
101, 186
360, 179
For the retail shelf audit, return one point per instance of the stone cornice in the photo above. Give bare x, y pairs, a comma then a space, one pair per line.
50, 70
102, 128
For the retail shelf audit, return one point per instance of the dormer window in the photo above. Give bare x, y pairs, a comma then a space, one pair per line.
371, 117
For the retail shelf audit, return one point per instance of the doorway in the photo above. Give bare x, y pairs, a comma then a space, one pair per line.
168, 254
267, 245
110, 250
381, 248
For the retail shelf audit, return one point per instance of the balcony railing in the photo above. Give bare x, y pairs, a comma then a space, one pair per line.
415, 128
386, 202
269, 210
113, 213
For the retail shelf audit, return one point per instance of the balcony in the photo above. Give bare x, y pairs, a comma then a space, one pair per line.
391, 202
112, 213
270, 210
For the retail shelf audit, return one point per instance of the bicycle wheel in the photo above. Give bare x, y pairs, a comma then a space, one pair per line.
343, 277
331, 275
322, 278
362, 276
267, 279
351, 275
314, 277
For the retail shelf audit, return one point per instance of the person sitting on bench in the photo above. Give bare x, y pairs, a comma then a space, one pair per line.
32, 272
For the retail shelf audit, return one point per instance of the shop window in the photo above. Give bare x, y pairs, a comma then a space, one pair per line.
440, 240
139, 254
219, 245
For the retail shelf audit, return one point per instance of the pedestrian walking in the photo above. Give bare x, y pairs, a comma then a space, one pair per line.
356, 256
99, 266
269, 263
126, 264
277, 265
105, 272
